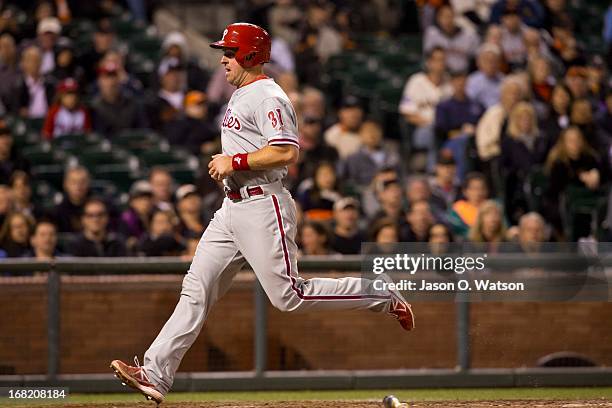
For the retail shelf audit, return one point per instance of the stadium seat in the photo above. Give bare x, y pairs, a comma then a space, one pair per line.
34, 124
76, 142
52, 174
163, 156
147, 45
136, 141
43, 154
123, 175
102, 155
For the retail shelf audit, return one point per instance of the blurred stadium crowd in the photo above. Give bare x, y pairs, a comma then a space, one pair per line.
431, 121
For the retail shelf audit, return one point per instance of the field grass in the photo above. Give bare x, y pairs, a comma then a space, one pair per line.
471, 394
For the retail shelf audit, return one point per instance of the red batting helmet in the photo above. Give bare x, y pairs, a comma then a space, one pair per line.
252, 43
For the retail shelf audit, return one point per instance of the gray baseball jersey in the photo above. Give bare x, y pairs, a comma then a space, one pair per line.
259, 230
258, 114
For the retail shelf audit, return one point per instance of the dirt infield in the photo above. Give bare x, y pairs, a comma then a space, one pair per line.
362, 404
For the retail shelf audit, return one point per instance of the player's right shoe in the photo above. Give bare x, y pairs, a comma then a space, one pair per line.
137, 379
399, 308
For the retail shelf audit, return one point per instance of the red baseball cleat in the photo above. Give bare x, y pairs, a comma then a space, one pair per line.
402, 311
398, 307
136, 378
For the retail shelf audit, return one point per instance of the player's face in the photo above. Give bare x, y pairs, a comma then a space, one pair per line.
234, 73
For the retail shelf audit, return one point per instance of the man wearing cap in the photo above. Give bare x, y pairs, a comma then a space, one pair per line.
256, 223
48, 32
347, 237
114, 110
167, 104
193, 130
175, 46
344, 135
189, 209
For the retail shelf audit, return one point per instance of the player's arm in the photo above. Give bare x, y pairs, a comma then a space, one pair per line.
268, 157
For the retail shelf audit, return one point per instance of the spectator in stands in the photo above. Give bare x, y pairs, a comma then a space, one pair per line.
418, 189
136, 218
456, 120
67, 115
374, 154
10, 158
581, 115
572, 162
161, 239
459, 43
190, 212
597, 80
462, 216
512, 39
48, 31
15, 234
175, 46
422, 93
318, 194
531, 232
103, 41
318, 41
130, 85
389, 195
313, 149
162, 184
576, 82
113, 110
313, 103
344, 136
33, 92
439, 238
167, 104
193, 130
491, 126
419, 219
522, 148
347, 237
444, 184
542, 84
6, 202
489, 227
95, 240
607, 34
386, 234
76, 191
530, 12
9, 69
21, 193
315, 239
554, 10
483, 86
565, 48
558, 115
66, 65
44, 241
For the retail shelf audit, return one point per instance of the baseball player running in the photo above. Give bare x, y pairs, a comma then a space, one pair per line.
255, 224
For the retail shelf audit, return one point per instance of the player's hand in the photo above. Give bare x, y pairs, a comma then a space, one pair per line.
220, 167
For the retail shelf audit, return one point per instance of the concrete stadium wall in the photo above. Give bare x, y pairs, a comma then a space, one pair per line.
108, 317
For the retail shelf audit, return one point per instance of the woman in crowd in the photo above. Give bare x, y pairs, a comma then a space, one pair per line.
315, 239
318, 195
572, 163
489, 230
15, 234
464, 212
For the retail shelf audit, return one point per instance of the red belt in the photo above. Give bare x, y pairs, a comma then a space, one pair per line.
250, 191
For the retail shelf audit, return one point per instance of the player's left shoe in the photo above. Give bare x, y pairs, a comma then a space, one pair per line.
136, 378
399, 308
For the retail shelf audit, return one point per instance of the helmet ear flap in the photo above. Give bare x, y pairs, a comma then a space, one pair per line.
248, 59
